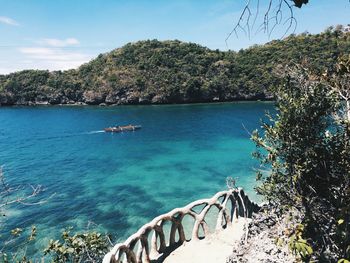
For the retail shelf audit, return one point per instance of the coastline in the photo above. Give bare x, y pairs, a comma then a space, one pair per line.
82, 104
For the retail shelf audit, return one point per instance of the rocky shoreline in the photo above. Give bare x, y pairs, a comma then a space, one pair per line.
89, 98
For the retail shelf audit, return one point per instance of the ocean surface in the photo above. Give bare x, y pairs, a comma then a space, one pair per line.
117, 182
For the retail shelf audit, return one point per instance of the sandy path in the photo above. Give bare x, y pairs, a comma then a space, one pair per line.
214, 248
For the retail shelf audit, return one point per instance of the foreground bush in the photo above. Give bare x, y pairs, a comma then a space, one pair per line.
305, 148
84, 247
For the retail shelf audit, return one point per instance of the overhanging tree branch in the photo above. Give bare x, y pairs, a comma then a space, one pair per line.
272, 17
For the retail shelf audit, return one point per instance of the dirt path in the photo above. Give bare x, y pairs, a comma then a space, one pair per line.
215, 248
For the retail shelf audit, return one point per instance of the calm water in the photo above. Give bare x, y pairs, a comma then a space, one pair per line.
121, 181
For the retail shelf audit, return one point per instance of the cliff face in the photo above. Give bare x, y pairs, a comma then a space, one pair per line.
148, 72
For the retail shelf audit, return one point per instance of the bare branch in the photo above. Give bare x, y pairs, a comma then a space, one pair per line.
272, 17
18, 194
256, 13
245, 11
291, 19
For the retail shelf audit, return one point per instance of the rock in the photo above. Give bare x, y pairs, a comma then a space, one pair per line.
22, 101
41, 100
93, 97
56, 98
7, 99
63, 100
112, 98
144, 100
132, 98
158, 99
261, 247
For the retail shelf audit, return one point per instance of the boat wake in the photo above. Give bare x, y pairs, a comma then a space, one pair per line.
93, 132
76, 134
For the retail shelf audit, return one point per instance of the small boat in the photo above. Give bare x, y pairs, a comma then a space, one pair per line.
123, 128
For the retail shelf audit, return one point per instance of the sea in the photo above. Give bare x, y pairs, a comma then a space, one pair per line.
116, 182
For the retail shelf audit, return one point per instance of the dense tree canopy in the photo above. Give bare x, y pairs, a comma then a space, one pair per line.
173, 72
306, 149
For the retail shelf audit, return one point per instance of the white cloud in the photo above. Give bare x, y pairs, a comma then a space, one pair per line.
52, 55
45, 54
53, 42
36, 51
8, 21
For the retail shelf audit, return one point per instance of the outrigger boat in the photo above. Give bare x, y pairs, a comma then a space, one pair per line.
122, 128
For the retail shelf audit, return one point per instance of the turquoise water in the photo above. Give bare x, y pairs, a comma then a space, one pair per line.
118, 182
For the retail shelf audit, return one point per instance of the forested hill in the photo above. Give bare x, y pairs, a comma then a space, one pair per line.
173, 72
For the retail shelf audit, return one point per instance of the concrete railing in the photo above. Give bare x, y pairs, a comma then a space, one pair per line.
152, 243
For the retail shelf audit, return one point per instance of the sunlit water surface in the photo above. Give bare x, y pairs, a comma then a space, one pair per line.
118, 182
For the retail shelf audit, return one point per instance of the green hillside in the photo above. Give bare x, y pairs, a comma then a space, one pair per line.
173, 72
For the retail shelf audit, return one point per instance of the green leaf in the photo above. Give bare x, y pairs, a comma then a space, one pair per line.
340, 221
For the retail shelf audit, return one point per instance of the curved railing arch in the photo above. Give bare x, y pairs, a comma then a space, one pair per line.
157, 249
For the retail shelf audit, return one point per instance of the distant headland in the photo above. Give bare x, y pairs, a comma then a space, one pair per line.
162, 72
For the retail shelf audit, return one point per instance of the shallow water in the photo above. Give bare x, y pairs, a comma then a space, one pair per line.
121, 181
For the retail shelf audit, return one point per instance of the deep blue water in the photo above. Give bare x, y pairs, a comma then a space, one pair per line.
121, 181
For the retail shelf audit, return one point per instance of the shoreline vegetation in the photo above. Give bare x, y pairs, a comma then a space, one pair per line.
174, 72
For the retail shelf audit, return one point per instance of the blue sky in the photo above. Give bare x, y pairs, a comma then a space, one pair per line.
62, 34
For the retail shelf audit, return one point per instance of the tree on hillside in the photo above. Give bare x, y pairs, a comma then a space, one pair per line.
305, 148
